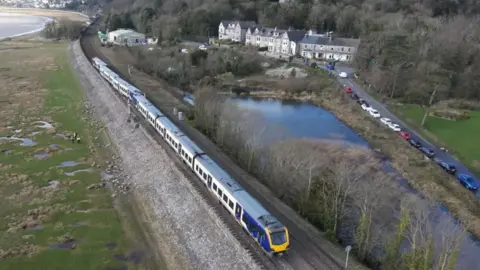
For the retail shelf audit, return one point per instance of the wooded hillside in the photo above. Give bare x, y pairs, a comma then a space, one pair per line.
408, 48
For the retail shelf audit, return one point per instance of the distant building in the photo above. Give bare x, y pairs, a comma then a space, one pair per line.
327, 47
278, 41
234, 30
126, 37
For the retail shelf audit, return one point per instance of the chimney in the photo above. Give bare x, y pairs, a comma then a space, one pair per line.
310, 32
275, 29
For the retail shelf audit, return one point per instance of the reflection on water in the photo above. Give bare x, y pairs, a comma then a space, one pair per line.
294, 119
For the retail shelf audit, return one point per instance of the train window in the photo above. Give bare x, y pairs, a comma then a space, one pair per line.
230, 204
225, 198
200, 171
220, 192
204, 176
214, 187
244, 219
190, 159
196, 168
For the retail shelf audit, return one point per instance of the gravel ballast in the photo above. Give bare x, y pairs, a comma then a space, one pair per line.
188, 232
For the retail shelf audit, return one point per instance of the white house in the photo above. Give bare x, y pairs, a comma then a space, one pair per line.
234, 30
126, 37
278, 41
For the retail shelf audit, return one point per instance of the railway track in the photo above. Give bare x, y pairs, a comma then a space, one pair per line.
305, 253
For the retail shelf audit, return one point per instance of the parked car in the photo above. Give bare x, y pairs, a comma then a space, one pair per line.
354, 96
448, 167
347, 90
366, 107
467, 181
374, 113
415, 143
395, 127
343, 75
427, 151
404, 135
362, 101
386, 121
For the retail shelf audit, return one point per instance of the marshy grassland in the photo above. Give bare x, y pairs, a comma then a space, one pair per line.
55, 213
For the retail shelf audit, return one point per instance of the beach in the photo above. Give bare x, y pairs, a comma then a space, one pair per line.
13, 25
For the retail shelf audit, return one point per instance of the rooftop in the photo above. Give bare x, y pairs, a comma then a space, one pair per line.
323, 40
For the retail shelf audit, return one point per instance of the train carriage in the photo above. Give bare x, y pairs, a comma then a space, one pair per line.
97, 63
189, 151
270, 234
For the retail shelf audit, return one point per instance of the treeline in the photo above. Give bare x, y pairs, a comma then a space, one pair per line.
408, 49
186, 69
345, 191
63, 29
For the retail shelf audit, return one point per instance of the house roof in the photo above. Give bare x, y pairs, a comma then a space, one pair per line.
243, 24
266, 31
296, 35
322, 40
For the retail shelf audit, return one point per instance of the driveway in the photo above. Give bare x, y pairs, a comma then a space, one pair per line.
461, 168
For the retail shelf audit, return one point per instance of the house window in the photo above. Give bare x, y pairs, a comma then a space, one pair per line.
304, 46
342, 49
331, 48
349, 49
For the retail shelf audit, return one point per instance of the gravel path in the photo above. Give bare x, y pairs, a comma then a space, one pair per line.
186, 229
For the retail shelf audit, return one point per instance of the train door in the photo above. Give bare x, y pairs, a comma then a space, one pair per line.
209, 181
180, 150
238, 211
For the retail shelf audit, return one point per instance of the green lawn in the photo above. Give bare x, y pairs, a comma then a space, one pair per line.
460, 137
34, 217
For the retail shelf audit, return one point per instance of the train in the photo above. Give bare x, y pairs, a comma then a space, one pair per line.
269, 233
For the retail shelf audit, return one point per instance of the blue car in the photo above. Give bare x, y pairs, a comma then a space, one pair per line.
467, 181
427, 151
448, 167
415, 144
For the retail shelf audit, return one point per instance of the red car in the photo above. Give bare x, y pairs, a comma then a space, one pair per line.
404, 135
348, 90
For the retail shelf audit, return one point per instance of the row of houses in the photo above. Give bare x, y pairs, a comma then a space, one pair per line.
288, 42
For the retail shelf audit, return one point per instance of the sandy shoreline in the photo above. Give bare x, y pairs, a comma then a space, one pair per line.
45, 14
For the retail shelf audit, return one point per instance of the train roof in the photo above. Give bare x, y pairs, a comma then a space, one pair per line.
99, 61
190, 145
170, 126
148, 105
256, 210
106, 69
220, 174
122, 81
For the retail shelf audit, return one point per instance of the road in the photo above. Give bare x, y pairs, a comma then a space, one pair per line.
384, 112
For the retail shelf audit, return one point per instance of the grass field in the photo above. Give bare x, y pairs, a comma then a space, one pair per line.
50, 220
460, 137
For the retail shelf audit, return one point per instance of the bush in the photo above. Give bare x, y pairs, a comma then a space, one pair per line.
63, 30
262, 49
198, 56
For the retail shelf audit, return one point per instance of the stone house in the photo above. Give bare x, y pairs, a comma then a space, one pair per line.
327, 47
234, 30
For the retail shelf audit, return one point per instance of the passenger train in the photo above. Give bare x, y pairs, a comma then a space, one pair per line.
270, 234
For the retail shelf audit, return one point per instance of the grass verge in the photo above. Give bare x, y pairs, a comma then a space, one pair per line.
52, 218
460, 137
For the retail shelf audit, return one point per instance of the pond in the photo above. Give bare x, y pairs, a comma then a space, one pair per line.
304, 120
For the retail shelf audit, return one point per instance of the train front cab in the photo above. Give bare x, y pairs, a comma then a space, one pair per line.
274, 242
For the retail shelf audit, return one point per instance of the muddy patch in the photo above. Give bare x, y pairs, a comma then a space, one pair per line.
25, 141
34, 228
79, 224
68, 163
134, 256
111, 246
43, 124
65, 242
118, 268
42, 155
65, 137
52, 184
77, 171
